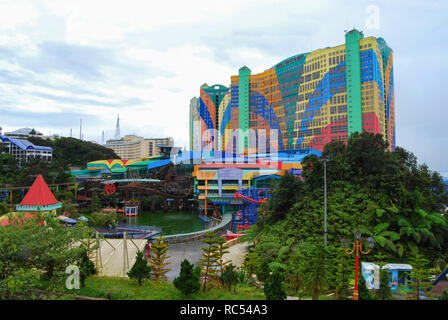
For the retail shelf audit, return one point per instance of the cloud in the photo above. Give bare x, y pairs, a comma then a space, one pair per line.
65, 60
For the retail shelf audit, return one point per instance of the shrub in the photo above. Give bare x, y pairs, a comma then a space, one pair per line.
188, 281
273, 289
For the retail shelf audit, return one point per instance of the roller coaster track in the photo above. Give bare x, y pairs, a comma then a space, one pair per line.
156, 191
240, 196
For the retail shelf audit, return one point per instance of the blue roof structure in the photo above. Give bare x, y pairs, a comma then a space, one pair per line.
220, 156
24, 144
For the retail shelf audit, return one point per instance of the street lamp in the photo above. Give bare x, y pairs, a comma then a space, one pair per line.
325, 160
357, 248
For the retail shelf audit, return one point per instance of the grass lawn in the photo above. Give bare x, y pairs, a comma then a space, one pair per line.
127, 289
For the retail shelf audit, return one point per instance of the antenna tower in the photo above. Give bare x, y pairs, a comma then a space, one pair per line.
80, 129
117, 128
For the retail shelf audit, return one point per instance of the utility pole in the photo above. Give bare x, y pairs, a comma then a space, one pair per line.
325, 196
80, 129
325, 160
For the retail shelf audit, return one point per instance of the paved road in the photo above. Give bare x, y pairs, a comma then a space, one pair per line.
179, 251
237, 253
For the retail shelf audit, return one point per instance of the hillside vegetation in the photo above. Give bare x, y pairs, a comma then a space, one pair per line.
386, 195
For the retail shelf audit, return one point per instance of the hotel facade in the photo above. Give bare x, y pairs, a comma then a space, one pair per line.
132, 147
307, 100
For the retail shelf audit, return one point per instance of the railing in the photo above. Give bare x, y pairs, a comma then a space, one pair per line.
193, 236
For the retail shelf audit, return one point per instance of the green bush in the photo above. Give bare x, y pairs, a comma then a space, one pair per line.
230, 276
140, 270
273, 288
444, 295
188, 281
103, 219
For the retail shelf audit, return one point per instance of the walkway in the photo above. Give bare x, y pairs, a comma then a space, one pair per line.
178, 252
191, 251
236, 254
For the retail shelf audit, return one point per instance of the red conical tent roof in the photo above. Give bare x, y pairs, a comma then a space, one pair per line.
39, 194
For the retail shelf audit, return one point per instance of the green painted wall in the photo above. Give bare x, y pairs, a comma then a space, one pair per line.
243, 108
354, 110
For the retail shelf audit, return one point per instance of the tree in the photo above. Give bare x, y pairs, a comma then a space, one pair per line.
284, 195
342, 276
39, 243
158, 258
229, 276
209, 257
19, 285
220, 252
315, 270
383, 292
420, 277
444, 295
74, 152
363, 292
51, 247
263, 271
384, 194
69, 209
273, 288
140, 270
250, 263
294, 275
188, 281
86, 267
95, 203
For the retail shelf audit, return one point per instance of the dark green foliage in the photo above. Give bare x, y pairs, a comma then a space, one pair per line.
284, 195
208, 260
95, 203
364, 293
250, 263
273, 288
33, 250
384, 292
74, 152
86, 267
103, 219
420, 277
343, 273
52, 173
3, 208
140, 270
159, 258
188, 281
386, 195
314, 267
8, 169
444, 295
263, 272
229, 276
221, 250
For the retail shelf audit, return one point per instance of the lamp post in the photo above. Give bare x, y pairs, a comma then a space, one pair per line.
357, 248
325, 160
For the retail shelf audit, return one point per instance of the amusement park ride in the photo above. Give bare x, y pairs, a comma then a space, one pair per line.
165, 183
248, 215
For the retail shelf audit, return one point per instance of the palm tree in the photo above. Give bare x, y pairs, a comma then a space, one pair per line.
382, 235
417, 225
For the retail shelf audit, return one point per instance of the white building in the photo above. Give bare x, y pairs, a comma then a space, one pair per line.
135, 148
23, 150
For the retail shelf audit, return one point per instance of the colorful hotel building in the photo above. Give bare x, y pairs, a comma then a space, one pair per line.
310, 98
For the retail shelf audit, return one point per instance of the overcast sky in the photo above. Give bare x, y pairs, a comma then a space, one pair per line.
65, 60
